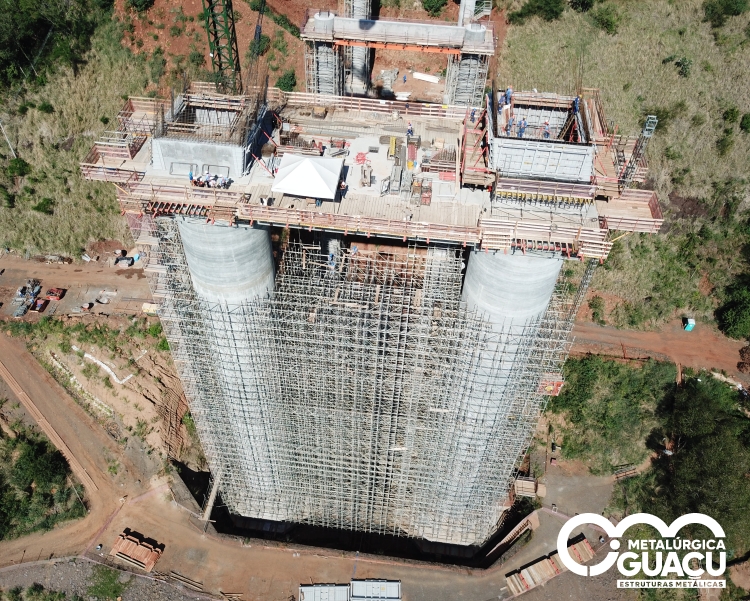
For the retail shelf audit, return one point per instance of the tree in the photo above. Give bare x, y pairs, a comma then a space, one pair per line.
549, 10
581, 6
434, 6
287, 81
707, 472
734, 315
259, 47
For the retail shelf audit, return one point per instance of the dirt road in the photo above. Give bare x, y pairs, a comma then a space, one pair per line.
703, 348
83, 283
85, 440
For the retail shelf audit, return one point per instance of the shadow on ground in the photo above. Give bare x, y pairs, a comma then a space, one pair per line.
346, 540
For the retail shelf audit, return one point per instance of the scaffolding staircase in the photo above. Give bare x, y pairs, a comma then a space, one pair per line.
222, 44
627, 174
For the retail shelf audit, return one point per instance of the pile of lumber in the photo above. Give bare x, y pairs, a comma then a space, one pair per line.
546, 568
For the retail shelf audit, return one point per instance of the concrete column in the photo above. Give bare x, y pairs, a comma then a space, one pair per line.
509, 289
512, 293
230, 268
228, 264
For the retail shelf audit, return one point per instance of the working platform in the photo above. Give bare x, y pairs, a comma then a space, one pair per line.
425, 36
410, 172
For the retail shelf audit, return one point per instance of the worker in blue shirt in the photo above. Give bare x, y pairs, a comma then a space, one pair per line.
522, 127
546, 130
508, 95
508, 126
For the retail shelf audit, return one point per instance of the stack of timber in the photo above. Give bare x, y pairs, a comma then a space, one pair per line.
546, 568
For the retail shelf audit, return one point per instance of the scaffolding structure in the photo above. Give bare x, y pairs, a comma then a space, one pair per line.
323, 68
356, 60
465, 78
211, 118
362, 394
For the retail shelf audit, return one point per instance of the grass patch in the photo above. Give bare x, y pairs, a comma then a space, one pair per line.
189, 423
105, 584
610, 409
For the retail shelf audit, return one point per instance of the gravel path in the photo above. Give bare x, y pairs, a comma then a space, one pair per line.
73, 576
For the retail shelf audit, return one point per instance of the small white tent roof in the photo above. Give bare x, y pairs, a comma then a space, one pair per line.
316, 177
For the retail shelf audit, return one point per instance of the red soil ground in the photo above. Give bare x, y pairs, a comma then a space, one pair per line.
151, 30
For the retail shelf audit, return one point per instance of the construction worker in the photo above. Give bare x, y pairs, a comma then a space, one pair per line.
508, 95
522, 127
409, 130
575, 105
508, 126
546, 130
404, 78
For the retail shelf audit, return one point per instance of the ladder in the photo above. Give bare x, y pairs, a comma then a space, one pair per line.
222, 44
640, 148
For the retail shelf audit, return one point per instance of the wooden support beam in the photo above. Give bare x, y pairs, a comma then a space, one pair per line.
398, 46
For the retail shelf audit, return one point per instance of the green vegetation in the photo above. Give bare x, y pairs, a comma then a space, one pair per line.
581, 5
46, 206
734, 315
718, 11
96, 334
549, 10
703, 424
596, 304
280, 20
157, 64
50, 145
745, 123
36, 592
38, 38
259, 47
607, 18
17, 168
35, 486
189, 423
287, 81
139, 5
616, 413
610, 408
434, 7
105, 584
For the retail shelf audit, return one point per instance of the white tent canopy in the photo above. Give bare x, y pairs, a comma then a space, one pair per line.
316, 177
